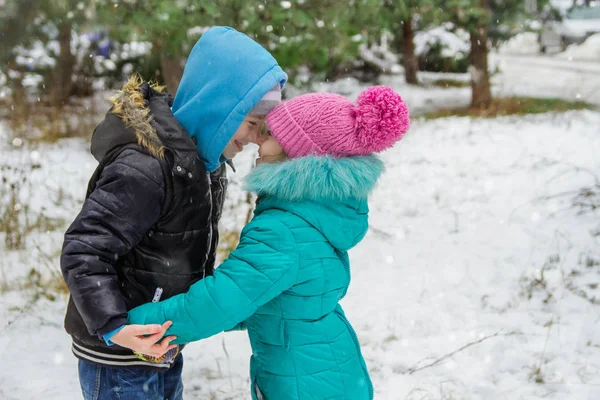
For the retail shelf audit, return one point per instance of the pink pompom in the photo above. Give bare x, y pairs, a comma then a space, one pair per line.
381, 118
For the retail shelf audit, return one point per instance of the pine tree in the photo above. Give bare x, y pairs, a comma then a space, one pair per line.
484, 20
163, 23
399, 17
16, 29
317, 34
300, 33
28, 21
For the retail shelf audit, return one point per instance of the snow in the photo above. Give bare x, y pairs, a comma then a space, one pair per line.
544, 76
462, 219
522, 43
197, 31
518, 76
533, 25
472, 223
420, 99
565, 5
378, 54
473, 233
454, 44
38, 55
561, 3
136, 49
32, 80
586, 51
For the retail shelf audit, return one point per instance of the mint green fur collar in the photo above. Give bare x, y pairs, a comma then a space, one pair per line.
315, 178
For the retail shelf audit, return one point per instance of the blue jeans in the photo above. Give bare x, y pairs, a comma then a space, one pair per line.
103, 383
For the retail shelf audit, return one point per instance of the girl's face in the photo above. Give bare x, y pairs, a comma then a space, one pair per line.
248, 132
270, 151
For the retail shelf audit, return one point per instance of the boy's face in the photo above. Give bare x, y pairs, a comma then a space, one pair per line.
248, 132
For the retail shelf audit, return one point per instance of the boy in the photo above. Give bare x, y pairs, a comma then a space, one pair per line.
148, 227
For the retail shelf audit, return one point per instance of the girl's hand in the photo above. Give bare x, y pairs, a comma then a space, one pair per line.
145, 339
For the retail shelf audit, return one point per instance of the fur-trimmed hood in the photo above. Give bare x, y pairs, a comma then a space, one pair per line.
313, 178
330, 193
141, 113
131, 105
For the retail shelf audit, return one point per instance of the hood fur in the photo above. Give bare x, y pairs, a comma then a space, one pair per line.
131, 107
313, 178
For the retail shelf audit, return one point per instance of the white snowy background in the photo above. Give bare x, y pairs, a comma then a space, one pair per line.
479, 278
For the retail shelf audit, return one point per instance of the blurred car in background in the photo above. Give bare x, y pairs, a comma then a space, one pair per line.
563, 28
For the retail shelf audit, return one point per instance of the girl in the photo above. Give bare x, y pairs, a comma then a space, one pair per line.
285, 279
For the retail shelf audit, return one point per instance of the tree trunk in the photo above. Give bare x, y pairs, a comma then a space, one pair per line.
63, 74
20, 106
411, 64
171, 71
16, 84
480, 76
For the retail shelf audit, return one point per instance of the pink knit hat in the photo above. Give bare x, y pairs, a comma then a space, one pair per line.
329, 124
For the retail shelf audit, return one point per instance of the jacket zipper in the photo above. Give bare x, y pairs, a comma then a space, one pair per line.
210, 224
157, 294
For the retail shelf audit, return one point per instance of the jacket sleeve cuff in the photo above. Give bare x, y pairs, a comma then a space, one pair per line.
111, 325
109, 335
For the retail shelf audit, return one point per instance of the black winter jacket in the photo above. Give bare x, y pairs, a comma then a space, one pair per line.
148, 227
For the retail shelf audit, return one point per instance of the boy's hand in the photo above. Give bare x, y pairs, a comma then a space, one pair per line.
132, 337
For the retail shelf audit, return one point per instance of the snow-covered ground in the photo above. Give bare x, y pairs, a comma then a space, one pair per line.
523, 43
586, 51
468, 216
474, 243
547, 77
527, 43
532, 76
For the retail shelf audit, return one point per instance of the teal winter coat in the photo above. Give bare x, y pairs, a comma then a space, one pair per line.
285, 279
